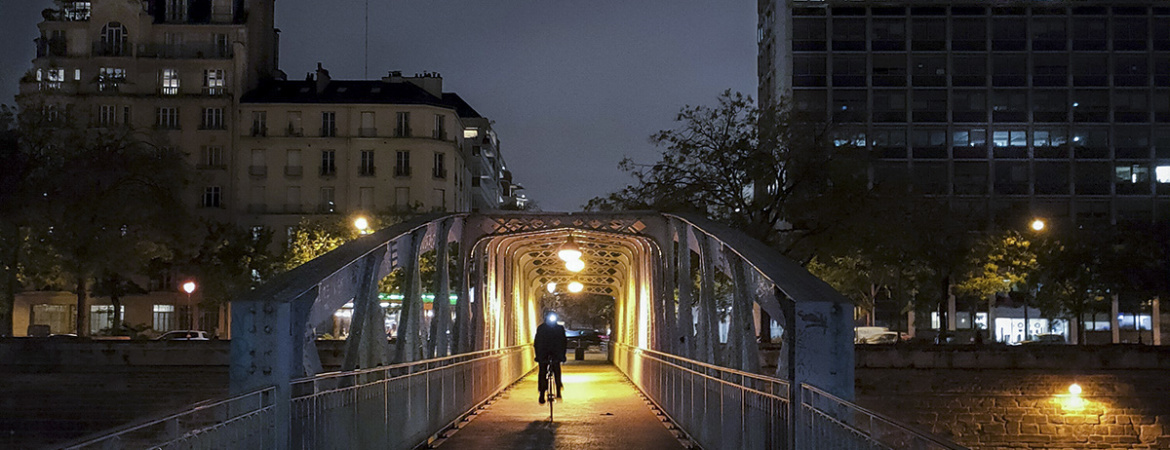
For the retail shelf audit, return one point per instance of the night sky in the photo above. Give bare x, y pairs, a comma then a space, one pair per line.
573, 87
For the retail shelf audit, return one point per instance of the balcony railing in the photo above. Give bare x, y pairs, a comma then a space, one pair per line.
439, 173
329, 171
294, 131
197, 50
258, 171
368, 132
402, 171
111, 49
293, 171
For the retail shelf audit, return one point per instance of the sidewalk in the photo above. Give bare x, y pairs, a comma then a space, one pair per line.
601, 410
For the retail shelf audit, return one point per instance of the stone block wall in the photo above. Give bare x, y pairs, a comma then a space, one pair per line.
1025, 408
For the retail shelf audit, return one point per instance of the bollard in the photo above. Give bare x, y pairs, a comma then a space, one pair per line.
580, 354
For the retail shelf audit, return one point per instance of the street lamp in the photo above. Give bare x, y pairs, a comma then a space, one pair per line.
362, 225
569, 250
1038, 225
189, 288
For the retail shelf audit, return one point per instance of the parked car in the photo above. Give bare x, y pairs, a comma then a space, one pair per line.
885, 337
184, 335
1046, 339
582, 337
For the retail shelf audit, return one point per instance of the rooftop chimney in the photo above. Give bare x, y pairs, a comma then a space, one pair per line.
431, 82
322, 78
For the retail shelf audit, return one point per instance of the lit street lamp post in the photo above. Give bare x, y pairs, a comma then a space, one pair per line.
189, 288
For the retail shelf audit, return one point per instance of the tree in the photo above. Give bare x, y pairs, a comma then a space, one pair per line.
767, 172
107, 200
14, 199
231, 260
317, 235
1000, 263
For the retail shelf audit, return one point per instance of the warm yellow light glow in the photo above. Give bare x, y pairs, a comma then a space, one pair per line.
1038, 225
189, 287
361, 224
384, 304
576, 287
1074, 389
569, 250
552, 286
575, 265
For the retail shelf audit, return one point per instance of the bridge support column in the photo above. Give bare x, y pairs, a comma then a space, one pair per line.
742, 325
461, 333
263, 355
708, 328
367, 345
441, 322
686, 296
409, 319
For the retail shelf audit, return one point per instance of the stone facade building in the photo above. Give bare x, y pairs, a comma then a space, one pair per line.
202, 76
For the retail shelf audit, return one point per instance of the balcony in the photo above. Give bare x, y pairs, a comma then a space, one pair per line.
327, 208
111, 49
368, 132
52, 47
402, 171
294, 131
258, 171
197, 50
329, 132
439, 134
293, 171
328, 171
258, 131
402, 132
440, 173
293, 208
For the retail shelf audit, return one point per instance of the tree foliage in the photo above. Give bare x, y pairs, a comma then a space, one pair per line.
767, 172
106, 201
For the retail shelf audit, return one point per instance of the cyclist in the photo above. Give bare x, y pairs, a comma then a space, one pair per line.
550, 352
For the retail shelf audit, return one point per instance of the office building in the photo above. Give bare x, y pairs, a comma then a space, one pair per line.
1053, 109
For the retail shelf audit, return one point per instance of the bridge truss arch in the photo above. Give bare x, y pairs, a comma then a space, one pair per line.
683, 287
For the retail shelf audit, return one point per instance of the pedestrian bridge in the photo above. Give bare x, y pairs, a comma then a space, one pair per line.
692, 298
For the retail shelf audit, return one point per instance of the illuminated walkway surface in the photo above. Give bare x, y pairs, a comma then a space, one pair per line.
600, 411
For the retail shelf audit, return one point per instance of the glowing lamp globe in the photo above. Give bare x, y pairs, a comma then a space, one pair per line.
576, 287
575, 265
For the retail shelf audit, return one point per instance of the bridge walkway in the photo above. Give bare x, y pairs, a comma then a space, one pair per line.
600, 410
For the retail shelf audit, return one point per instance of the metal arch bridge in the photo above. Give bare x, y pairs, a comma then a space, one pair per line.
451, 359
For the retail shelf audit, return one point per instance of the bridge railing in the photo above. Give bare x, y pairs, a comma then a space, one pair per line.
718, 408
399, 406
245, 421
829, 422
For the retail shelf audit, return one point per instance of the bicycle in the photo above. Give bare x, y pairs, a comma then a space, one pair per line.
551, 393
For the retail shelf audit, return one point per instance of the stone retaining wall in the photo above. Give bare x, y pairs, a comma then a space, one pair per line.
1018, 398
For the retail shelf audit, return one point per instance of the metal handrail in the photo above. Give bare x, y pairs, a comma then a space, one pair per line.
844, 415
174, 432
713, 410
379, 407
786, 393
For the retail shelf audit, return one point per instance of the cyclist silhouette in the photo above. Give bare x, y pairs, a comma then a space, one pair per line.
550, 352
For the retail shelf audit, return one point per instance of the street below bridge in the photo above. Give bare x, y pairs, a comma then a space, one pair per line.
600, 410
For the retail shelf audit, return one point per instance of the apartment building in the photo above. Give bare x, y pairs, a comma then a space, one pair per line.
202, 76
1054, 109
324, 146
